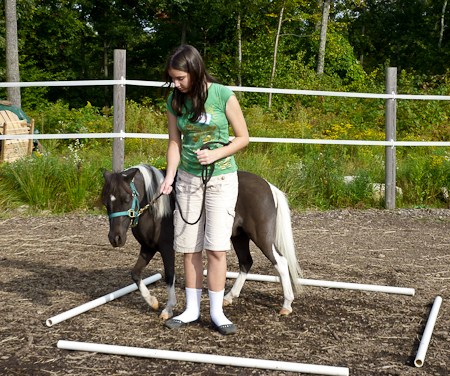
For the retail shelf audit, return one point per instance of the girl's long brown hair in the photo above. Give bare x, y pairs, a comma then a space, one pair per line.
187, 59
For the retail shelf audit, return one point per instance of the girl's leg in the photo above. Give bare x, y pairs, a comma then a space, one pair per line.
189, 241
220, 212
217, 268
193, 268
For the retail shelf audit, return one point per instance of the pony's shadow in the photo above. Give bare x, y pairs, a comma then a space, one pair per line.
43, 280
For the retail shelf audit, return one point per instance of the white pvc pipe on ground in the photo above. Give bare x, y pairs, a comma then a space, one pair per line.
335, 285
99, 301
204, 358
423, 347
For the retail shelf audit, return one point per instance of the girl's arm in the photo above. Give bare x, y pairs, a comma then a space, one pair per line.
236, 119
173, 154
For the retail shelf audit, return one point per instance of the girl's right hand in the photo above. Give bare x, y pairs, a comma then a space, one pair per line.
166, 186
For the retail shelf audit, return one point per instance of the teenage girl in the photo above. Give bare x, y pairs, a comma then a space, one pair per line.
200, 111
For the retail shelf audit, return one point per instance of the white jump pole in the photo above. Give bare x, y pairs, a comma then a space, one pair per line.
99, 301
423, 347
335, 285
204, 358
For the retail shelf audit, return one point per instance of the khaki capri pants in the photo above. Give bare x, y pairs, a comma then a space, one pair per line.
213, 230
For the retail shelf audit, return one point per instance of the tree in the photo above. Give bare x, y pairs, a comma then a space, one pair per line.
280, 20
12, 52
441, 33
118, 25
243, 42
323, 36
239, 32
410, 34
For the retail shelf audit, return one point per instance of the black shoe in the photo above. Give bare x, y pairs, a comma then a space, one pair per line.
226, 329
177, 324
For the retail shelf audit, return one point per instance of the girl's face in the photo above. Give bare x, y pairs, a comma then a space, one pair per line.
181, 80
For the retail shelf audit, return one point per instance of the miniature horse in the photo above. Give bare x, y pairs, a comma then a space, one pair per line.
262, 215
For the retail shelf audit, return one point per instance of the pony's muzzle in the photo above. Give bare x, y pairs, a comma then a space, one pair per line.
117, 239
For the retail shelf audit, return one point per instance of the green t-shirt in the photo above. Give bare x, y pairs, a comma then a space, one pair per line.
212, 126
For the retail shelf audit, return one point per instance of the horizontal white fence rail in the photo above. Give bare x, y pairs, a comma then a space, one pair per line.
68, 136
248, 89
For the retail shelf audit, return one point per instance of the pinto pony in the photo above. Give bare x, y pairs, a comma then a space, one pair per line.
262, 215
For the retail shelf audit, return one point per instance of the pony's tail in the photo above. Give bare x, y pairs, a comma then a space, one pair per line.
284, 239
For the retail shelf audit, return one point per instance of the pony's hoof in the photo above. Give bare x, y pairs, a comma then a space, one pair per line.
164, 316
285, 312
226, 303
155, 305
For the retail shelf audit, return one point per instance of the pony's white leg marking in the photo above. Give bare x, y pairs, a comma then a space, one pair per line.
283, 270
151, 300
167, 312
236, 289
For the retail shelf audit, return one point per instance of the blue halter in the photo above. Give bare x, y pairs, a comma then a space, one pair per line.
135, 212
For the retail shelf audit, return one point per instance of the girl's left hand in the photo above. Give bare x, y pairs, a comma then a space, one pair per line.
205, 156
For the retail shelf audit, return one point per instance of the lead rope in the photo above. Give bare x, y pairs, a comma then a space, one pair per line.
205, 179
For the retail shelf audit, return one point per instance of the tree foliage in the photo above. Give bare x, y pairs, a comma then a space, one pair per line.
74, 40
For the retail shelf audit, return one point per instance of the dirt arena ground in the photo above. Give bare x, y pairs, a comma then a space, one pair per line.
49, 265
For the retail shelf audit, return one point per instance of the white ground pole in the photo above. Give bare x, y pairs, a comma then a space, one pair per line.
99, 301
423, 347
335, 285
204, 358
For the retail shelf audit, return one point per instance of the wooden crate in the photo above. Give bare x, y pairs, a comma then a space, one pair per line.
11, 150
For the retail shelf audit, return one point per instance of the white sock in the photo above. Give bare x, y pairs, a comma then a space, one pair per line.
216, 308
192, 311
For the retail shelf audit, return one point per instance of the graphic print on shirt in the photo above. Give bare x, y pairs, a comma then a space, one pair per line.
200, 133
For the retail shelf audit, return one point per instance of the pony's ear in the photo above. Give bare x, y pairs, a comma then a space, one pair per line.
106, 174
128, 175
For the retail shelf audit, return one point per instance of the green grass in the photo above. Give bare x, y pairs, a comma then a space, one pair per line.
55, 184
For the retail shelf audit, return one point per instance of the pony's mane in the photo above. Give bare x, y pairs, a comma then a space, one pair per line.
153, 178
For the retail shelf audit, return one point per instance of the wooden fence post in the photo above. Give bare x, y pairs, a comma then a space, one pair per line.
391, 130
119, 110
